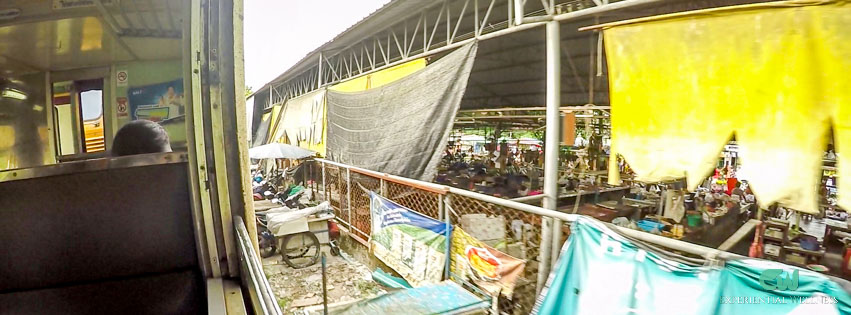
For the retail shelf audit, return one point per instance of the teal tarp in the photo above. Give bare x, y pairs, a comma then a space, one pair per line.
389, 280
601, 272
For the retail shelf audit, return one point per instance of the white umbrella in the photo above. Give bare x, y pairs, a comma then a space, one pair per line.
472, 138
279, 151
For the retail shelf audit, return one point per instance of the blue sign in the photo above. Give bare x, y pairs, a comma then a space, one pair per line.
157, 102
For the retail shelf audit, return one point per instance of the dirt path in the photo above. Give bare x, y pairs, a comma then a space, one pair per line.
299, 288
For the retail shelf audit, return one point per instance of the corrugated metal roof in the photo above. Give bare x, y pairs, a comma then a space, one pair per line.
376, 21
525, 62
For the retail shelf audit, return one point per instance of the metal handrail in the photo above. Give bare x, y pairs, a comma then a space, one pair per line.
673, 244
430, 187
259, 291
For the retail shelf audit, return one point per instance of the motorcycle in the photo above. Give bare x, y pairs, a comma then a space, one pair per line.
265, 239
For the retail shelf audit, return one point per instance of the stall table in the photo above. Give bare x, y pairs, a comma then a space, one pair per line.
715, 233
831, 226
810, 256
597, 195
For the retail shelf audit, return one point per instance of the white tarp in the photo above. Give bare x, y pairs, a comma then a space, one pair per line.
279, 151
279, 217
302, 118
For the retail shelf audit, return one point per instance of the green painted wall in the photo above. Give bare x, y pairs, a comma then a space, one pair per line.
142, 73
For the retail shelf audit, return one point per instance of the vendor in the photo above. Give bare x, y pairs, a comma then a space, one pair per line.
732, 181
732, 204
749, 196
738, 191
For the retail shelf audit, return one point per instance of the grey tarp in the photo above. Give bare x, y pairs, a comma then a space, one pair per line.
400, 128
262, 131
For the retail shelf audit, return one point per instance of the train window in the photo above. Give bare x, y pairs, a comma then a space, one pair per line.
91, 111
72, 75
63, 117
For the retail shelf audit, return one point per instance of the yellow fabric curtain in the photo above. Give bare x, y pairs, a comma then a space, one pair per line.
772, 74
274, 122
380, 78
834, 50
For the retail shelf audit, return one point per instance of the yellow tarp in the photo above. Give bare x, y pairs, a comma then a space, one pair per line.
274, 123
380, 78
774, 75
361, 83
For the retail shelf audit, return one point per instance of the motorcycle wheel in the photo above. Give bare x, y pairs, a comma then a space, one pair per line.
292, 253
300, 250
335, 250
266, 241
268, 251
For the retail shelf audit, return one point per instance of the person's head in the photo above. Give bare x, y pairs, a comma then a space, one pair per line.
738, 185
140, 137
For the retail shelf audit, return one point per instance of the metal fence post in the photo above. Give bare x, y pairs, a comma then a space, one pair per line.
440, 207
349, 193
324, 185
383, 188
444, 211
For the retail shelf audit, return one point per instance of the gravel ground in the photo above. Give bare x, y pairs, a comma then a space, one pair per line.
295, 289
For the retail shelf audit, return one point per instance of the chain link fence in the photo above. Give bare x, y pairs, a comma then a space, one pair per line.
335, 190
419, 200
522, 229
522, 240
360, 219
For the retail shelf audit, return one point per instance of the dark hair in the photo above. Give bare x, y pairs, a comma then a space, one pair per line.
140, 137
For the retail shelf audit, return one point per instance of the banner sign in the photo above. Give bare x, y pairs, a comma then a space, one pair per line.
601, 272
490, 269
157, 102
412, 244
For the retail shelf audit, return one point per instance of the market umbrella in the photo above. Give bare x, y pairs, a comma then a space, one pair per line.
279, 151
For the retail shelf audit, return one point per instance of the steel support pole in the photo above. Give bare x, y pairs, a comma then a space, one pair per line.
349, 193
518, 11
319, 73
551, 228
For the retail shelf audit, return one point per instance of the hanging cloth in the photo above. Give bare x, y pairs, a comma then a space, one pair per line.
772, 74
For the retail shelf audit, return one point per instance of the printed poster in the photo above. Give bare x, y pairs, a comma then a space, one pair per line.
157, 102
490, 269
412, 244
